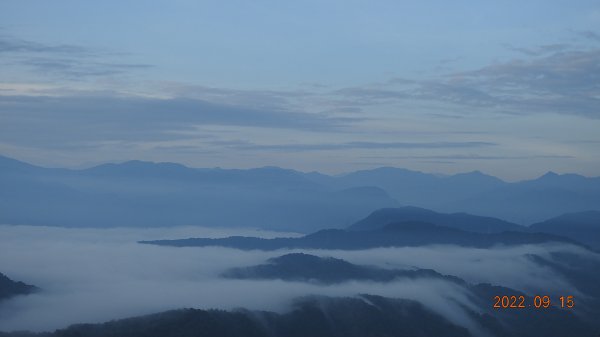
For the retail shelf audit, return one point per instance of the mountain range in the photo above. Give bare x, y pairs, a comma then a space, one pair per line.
368, 315
523, 202
137, 193
310, 316
148, 194
582, 271
359, 316
463, 221
399, 234
581, 226
328, 270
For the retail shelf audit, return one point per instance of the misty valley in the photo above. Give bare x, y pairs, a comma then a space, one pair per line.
147, 249
185, 168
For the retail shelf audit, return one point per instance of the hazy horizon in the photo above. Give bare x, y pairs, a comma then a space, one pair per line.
510, 89
332, 174
329, 168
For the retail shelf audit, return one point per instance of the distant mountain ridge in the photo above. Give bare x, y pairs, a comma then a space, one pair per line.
147, 194
328, 270
583, 227
582, 271
137, 193
522, 202
580, 226
402, 234
463, 221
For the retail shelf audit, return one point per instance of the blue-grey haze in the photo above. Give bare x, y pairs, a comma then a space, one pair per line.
508, 88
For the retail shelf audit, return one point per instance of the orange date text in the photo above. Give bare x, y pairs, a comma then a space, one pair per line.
536, 302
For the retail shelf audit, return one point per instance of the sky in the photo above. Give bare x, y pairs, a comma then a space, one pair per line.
510, 88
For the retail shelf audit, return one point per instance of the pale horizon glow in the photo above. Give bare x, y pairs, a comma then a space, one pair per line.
510, 89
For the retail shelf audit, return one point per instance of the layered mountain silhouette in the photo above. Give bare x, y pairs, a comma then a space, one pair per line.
401, 234
369, 315
310, 316
10, 288
164, 194
364, 315
581, 271
137, 193
327, 270
463, 221
523, 202
582, 226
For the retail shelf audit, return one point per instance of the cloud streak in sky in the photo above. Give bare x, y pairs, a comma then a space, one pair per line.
87, 104
77, 68
555, 79
57, 121
62, 61
364, 145
478, 157
13, 45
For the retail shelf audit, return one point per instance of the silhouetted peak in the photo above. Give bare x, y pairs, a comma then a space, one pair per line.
388, 171
409, 225
566, 178
473, 173
568, 220
403, 209
141, 164
303, 259
550, 175
138, 168
463, 221
367, 190
475, 176
10, 288
275, 170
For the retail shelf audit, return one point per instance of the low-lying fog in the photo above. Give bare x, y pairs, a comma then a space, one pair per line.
95, 275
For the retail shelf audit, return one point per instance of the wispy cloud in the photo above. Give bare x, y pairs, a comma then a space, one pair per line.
250, 98
14, 45
555, 79
540, 50
65, 61
76, 68
477, 157
57, 121
361, 145
588, 34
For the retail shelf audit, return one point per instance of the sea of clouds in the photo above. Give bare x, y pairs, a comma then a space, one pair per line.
95, 275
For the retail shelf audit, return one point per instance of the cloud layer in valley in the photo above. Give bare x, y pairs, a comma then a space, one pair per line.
94, 275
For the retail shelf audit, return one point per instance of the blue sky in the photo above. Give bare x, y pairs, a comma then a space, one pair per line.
511, 88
